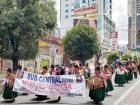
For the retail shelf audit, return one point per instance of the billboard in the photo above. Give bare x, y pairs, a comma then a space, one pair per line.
86, 10
90, 22
114, 35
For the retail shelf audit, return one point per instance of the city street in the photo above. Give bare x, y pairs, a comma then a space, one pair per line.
60, 47
127, 95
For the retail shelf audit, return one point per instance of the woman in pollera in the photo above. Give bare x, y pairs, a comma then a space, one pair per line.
8, 83
97, 85
107, 74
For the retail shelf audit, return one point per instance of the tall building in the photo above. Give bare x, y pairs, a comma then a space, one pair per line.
66, 16
101, 12
133, 23
96, 13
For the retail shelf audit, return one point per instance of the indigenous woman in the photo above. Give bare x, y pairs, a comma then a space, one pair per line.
126, 75
76, 70
43, 72
97, 86
119, 75
8, 86
130, 74
135, 69
107, 73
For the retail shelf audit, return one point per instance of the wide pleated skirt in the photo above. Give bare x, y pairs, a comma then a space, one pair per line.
126, 77
130, 76
109, 86
8, 93
97, 95
120, 79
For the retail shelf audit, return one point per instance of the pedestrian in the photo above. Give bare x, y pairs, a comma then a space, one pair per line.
87, 71
110, 68
97, 87
44, 72
126, 74
130, 74
107, 73
76, 70
25, 69
81, 69
70, 69
63, 69
8, 83
53, 70
135, 69
60, 71
119, 75
19, 67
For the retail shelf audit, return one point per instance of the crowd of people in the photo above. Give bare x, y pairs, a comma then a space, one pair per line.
98, 81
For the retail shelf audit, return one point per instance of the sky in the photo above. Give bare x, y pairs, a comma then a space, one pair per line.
120, 17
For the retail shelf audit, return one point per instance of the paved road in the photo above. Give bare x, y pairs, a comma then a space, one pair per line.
127, 95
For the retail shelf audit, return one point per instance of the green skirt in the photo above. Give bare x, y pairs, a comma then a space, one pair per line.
119, 79
126, 76
109, 86
97, 95
130, 76
8, 93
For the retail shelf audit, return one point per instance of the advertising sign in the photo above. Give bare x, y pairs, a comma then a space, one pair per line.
114, 35
90, 22
86, 10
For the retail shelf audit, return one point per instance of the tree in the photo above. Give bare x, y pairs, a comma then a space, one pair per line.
80, 43
126, 57
112, 56
135, 58
22, 22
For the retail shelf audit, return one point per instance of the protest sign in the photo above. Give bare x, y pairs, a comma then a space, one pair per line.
62, 85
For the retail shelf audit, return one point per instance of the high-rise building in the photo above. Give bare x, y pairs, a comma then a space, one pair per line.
96, 13
66, 15
133, 23
101, 12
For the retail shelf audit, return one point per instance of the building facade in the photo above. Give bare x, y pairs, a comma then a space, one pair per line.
101, 12
133, 23
96, 13
66, 16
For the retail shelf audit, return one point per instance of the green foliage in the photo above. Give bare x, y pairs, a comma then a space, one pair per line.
80, 43
22, 22
135, 58
126, 57
112, 56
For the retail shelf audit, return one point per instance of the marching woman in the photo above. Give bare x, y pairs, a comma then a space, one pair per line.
126, 75
119, 75
97, 86
107, 74
8, 83
130, 73
44, 72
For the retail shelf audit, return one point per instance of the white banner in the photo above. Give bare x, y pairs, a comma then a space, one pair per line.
62, 85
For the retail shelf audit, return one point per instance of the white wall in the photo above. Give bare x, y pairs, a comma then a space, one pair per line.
66, 23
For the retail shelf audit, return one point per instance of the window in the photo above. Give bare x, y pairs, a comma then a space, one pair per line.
66, 11
67, 5
83, 1
67, 16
